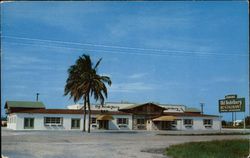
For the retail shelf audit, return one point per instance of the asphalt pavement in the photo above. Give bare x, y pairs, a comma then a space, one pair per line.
98, 144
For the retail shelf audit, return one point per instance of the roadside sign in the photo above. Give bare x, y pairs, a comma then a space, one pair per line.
231, 96
232, 104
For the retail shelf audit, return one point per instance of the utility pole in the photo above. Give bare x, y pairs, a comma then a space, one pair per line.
232, 118
37, 94
202, 105
235, 116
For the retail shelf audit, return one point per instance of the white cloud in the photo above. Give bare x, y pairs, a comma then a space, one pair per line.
137, 75
18, 87
131, 87
24, 59
229, 79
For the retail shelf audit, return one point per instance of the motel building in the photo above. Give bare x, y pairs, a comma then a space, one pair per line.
25, 115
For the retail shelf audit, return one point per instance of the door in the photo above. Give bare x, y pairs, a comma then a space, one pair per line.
165, 125
28, 123
141, 123
103, 124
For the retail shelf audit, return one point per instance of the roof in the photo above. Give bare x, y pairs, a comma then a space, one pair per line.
23, 104
165, 118
104, 117
187, 114
171, 105
130, 107
68, 111
192, 110
121, 102
137, 105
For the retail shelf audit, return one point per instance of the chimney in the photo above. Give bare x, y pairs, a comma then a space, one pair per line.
37, 94
202, 105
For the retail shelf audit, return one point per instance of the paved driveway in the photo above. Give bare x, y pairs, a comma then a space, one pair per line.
73, 144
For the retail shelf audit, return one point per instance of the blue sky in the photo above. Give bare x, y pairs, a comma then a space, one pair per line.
167, 52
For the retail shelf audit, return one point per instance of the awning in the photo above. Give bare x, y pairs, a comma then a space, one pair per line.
104, 117
165, 118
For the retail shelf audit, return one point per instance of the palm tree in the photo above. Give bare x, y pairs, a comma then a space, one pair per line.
74, 81
84, 82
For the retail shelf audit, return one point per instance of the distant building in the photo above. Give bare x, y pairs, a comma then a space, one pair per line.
238, 122
111, 116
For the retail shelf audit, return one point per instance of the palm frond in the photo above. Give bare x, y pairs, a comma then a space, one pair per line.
97, 64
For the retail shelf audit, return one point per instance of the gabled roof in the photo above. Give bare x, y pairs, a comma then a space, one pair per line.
188, 114
137, 105
23, 104
192, 110
130, 107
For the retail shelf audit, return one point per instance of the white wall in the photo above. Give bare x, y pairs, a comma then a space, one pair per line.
39, 122
114, 126
12, 121
17, 122
198, 123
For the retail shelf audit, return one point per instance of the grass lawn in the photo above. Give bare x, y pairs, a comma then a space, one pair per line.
211, 149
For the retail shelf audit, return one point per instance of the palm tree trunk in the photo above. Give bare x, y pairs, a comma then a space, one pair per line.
89, 113
84, 116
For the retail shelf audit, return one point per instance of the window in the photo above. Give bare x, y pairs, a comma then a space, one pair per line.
93, 120
207, 122
53, 121
140, 121
174, 122
188, 122
28, 123
122, 121
75, 123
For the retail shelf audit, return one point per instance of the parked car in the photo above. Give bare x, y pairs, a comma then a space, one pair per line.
4, 123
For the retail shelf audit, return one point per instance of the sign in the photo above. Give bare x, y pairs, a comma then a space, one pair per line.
177, 109
232, 104
106, 107
231, 96
173, 108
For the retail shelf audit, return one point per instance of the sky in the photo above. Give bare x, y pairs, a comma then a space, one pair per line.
166, 52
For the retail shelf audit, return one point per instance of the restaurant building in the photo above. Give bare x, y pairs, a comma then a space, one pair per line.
112, 116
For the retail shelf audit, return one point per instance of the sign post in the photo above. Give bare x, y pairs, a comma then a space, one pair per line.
232, 104
220, 123
244, 123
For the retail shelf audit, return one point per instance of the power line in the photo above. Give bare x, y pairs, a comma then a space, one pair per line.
107, 51
94, 50
121, 47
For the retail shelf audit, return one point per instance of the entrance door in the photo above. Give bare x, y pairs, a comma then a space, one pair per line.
165, 125
141, 123
103, 124
28, 123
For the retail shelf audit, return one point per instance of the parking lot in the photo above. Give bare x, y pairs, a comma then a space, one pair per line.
101, 144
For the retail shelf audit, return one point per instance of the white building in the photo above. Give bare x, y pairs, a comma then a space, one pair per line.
110, 106
111, 116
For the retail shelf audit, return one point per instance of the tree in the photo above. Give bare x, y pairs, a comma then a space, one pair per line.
84, 82
224, 123
74, 81
247, 119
